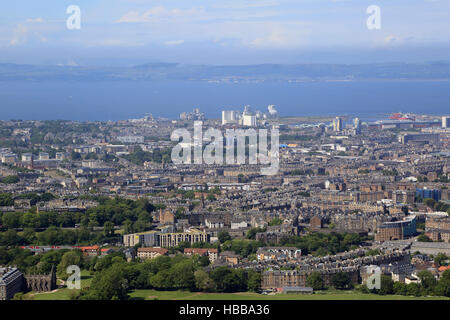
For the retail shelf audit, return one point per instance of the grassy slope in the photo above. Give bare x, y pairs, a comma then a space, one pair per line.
183, 295
64, 294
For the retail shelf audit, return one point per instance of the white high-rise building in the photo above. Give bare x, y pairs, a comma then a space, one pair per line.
248, 117
445, 122
249, 120
337, 124
229, 116
357, 125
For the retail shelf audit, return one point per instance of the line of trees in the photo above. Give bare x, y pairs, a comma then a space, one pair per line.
428, 286
57, 236
114, 277
115, 210
139, 156
340, 280
320, 244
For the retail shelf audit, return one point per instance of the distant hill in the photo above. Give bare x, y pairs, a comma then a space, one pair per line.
258, 73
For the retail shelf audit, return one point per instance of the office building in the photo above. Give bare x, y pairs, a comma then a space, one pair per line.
229, 116
357, 125
430, 138
424, 193
146, 239
337, 124
11, 282
249, 120
445, 122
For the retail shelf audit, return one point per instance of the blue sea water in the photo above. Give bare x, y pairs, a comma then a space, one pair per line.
123, 100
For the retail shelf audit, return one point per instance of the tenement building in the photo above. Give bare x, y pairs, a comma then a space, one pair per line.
11, 282
288, 278
150, 253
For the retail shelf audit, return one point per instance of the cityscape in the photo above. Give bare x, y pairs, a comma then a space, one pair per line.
349, 196
224, 159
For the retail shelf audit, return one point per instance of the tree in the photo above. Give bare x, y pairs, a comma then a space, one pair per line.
413, 289
400, 288
254, 280
4, 255
387, 285
182, 274
351, 238
251, 233
341, 280
161, 280
226, 279
427, 280
443, 286
440, 258
6, 200
223, 236
109, 285
30, 220
315, 281
128, 226
275, 222
10, 179
11, 220
424, 238
180, 213
108, 229
74, 257
203, 261
203, 281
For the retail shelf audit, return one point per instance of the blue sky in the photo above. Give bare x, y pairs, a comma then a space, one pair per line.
127, 32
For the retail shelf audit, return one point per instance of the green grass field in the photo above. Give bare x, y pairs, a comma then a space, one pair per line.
184, 295
86, 278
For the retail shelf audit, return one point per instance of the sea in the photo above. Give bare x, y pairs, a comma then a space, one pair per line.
119, 100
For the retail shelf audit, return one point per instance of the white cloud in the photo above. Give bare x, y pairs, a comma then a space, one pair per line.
277, 38
19, 35
157, 14
257, 34
246, 4
174, 42
36, 20
22, 32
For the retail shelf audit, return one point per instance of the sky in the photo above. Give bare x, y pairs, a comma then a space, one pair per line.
132, 32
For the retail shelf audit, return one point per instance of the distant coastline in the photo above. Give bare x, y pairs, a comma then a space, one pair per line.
430, 71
